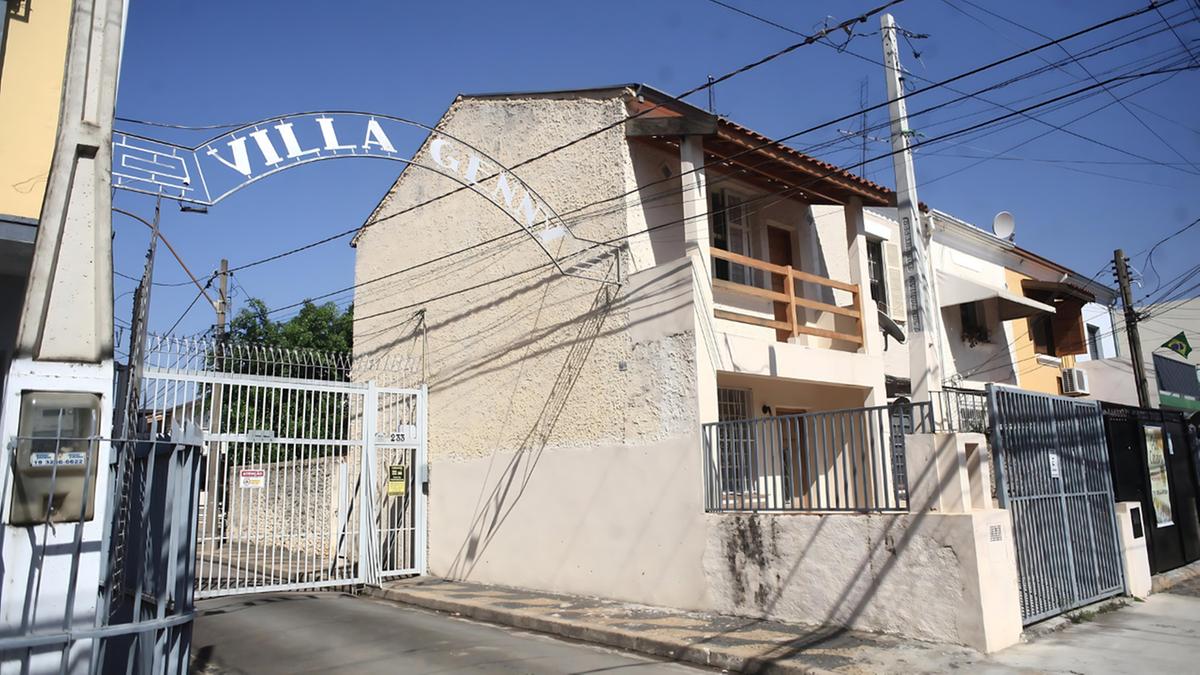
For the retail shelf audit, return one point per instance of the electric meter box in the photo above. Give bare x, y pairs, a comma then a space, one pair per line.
56, 457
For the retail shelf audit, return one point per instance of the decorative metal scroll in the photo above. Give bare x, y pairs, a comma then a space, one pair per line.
205, 174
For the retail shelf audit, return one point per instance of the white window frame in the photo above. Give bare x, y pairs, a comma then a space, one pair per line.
738, 236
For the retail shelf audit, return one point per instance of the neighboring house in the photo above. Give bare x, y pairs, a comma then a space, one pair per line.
1007, 315
1172, 378
33, 46
591, 438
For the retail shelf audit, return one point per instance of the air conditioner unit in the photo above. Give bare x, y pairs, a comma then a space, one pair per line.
1074, 382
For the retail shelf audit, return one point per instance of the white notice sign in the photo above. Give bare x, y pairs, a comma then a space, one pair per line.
252, 478
1054, 473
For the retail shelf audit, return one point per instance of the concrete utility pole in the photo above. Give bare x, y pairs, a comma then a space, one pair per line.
214, 497
1131, 326
924, 366
222, 299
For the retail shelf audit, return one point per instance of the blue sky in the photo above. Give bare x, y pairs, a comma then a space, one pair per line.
1075, 200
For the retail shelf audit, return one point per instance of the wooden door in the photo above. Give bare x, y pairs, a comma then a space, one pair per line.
779, 252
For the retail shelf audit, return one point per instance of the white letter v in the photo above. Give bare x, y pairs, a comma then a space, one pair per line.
241, 158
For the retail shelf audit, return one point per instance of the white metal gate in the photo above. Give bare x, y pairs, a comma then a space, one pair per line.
309, 481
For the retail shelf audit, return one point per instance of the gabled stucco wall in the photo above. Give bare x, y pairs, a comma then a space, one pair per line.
563, 436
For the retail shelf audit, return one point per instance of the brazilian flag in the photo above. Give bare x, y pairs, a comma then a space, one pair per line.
1179, 345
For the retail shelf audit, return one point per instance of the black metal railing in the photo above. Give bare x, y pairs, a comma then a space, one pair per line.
959, 410
842, 460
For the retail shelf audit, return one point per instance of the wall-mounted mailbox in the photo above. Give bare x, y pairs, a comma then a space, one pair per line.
56, 458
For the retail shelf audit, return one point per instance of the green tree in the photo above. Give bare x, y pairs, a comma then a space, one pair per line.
322, 327
286, 413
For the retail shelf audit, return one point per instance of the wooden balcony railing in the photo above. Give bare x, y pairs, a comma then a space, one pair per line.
792, 325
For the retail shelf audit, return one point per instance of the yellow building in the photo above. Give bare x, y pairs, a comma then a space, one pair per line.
1046, 345
33, 56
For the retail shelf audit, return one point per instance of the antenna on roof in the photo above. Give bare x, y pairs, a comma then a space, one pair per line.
712, 96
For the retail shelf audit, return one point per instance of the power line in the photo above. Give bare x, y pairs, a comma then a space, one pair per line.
1081, 65
712, 81
976, 96
175, 325
818, 38
671, 223
768, 195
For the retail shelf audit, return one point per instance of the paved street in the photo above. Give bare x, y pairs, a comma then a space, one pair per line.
333, 632
337, 633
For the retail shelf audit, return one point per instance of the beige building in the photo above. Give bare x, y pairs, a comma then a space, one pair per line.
588, 430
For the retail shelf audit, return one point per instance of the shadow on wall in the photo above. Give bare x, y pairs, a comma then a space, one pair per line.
750, 549
515, 477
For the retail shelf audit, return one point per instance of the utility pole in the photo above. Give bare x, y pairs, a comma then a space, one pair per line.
862, 105
924, 366
1131, 327
217, 470
222, 299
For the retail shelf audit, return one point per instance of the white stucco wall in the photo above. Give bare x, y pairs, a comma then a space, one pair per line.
1095, 314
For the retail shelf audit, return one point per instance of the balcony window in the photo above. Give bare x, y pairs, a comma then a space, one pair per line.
1093, 341
730, 232
878, 274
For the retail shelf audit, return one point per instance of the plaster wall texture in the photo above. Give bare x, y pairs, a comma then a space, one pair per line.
297, 507
563, 437
655, 212
920, 575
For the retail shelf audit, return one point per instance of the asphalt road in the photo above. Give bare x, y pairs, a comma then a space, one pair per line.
335, 633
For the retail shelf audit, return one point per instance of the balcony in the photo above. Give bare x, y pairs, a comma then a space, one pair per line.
794, 314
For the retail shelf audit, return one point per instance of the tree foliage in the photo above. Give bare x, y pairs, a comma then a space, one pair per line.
323, 327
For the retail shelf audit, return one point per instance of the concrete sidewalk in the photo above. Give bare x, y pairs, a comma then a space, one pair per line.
729, 643
1161, 634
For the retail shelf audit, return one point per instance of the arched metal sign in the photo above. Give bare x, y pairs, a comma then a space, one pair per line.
205, 174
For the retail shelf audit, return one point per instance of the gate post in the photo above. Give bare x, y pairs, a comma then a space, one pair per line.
995, 439
421, 481
368, 536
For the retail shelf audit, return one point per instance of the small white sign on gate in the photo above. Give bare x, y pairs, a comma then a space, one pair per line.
404, 433
252, 478
1054, 472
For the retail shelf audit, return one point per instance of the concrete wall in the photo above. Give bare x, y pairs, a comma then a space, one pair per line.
924, 575
297, 507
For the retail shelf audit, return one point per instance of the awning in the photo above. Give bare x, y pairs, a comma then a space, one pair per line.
1059, 290
955, 290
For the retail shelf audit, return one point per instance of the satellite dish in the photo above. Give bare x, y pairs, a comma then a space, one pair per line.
1004, 226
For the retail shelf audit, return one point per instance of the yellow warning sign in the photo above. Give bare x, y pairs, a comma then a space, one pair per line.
397, 480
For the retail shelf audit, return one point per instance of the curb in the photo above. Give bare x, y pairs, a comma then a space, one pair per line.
675, 650
1167, 580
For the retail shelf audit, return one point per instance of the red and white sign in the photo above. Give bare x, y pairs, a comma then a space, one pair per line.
252, 478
